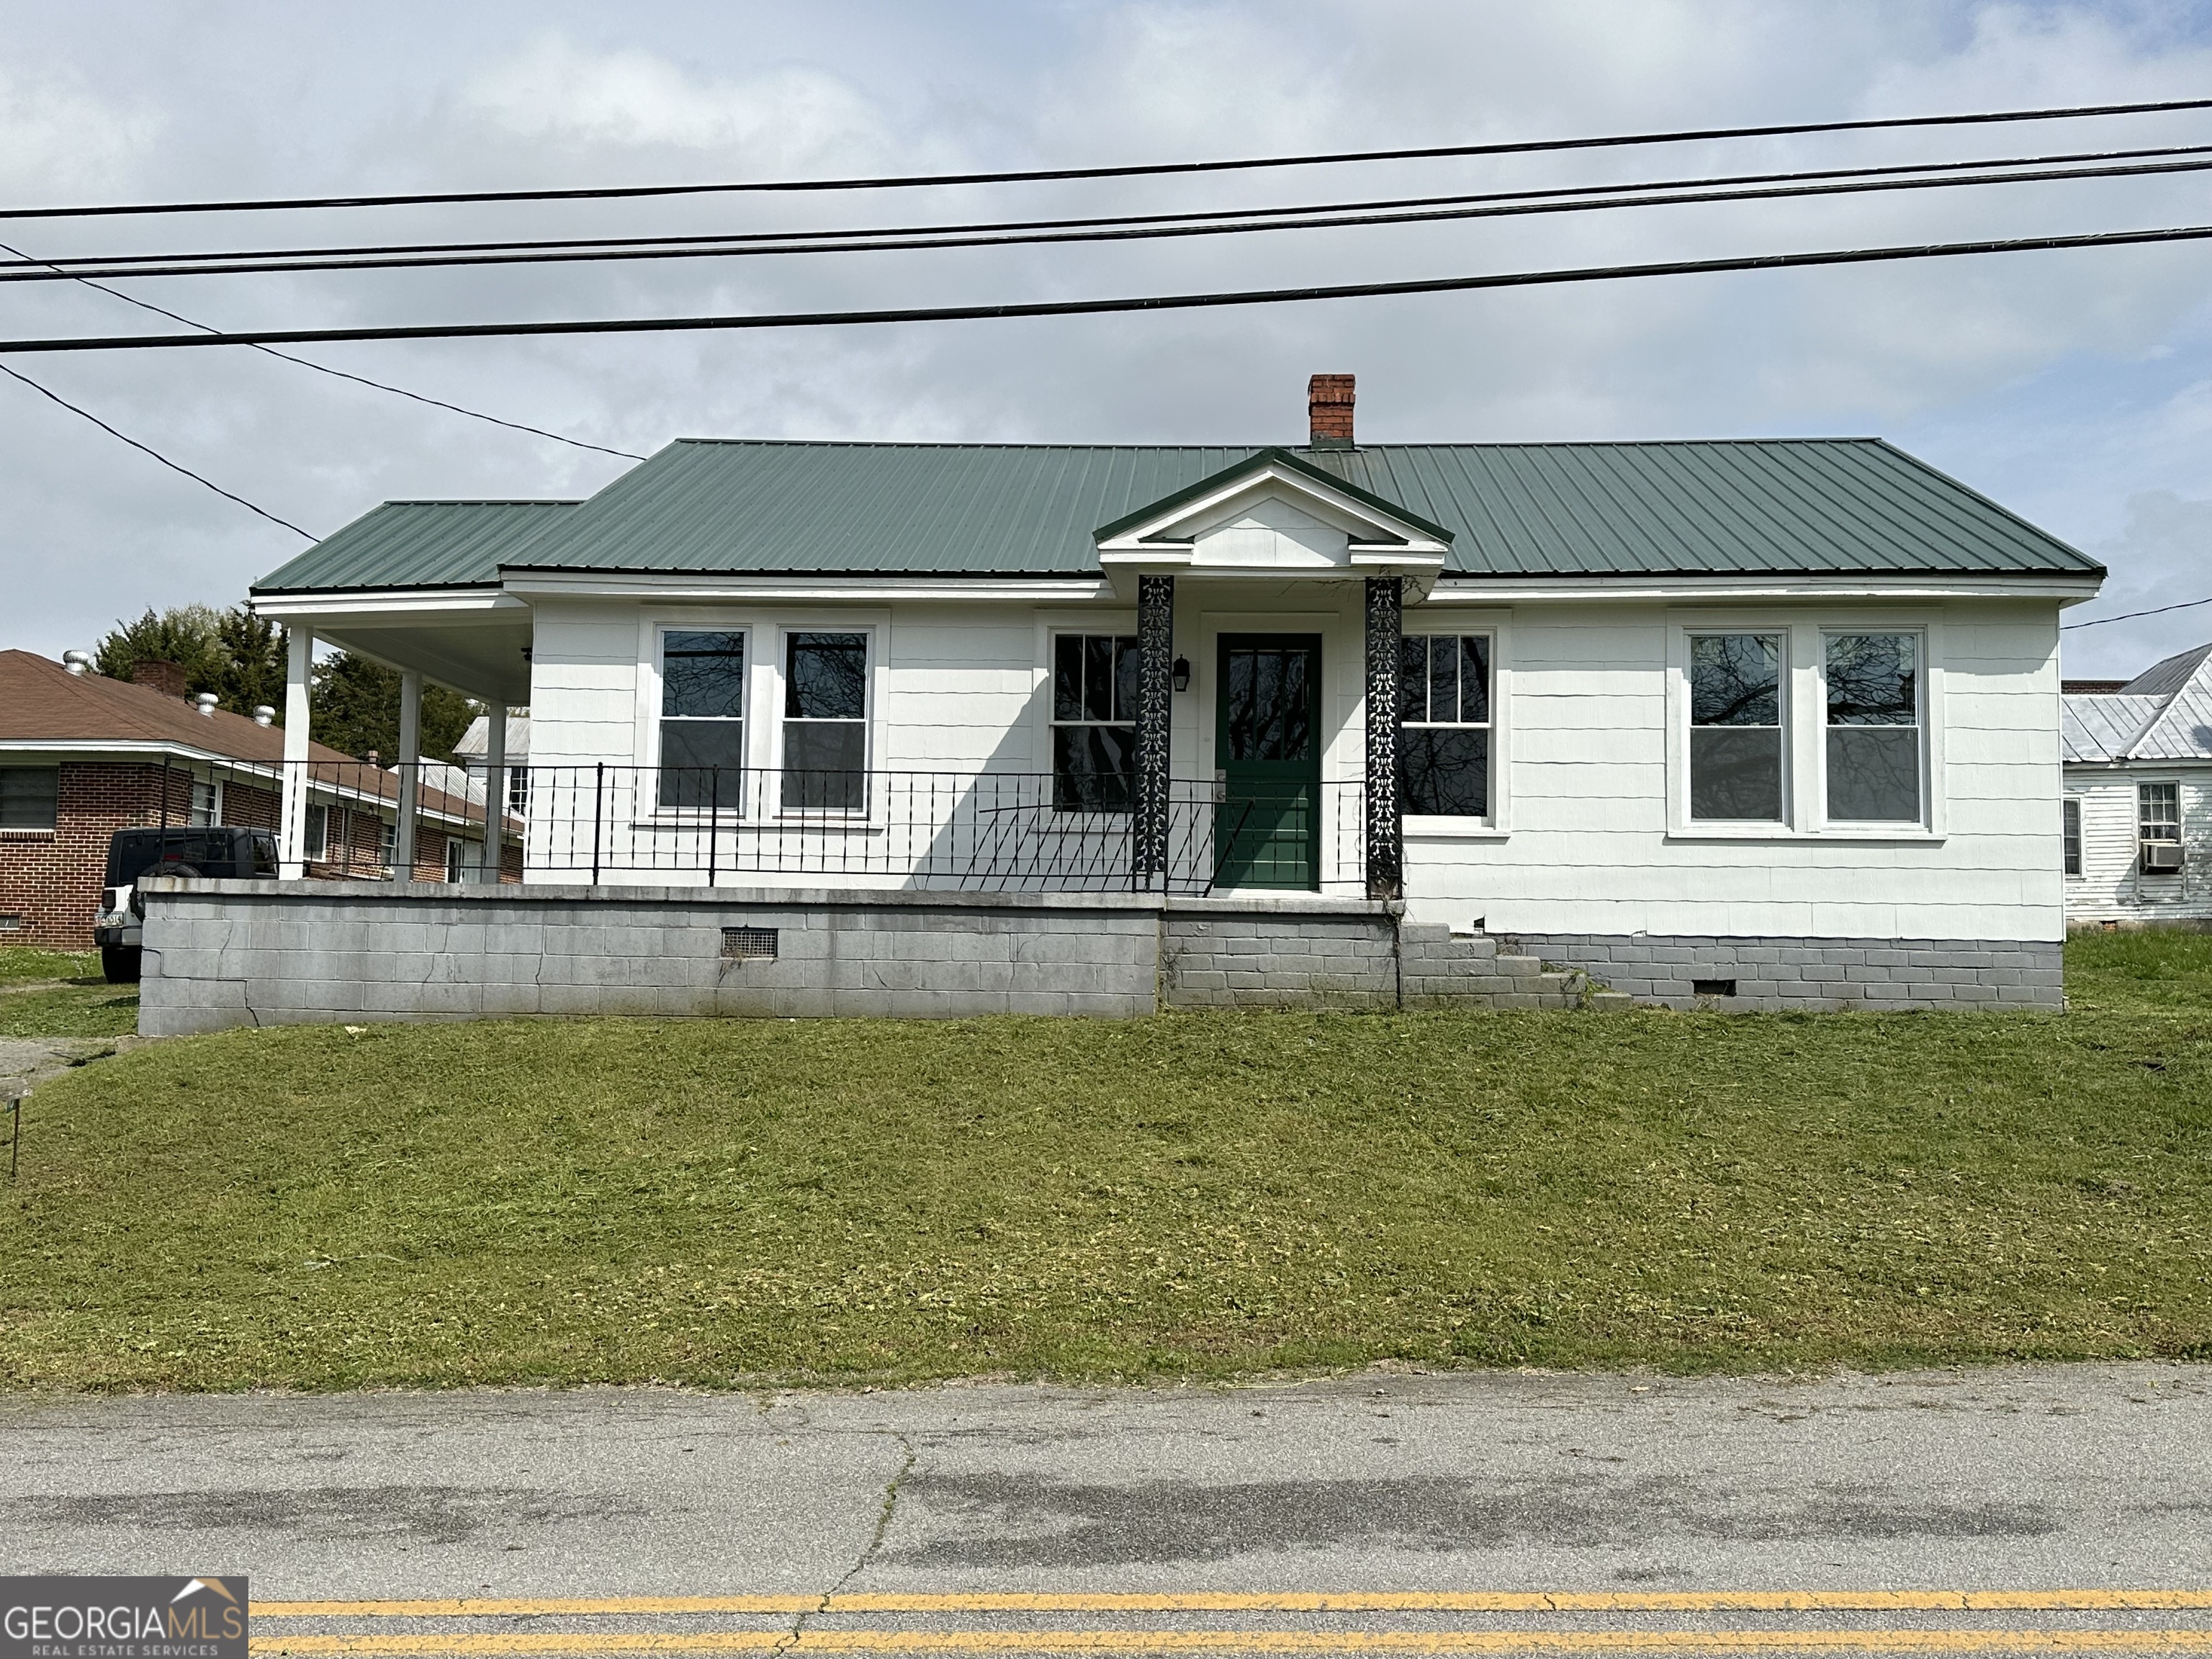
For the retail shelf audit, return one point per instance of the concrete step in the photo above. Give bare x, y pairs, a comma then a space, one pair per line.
1610, 1002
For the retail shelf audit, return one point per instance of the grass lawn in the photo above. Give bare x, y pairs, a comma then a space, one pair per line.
61, 994
705, 1203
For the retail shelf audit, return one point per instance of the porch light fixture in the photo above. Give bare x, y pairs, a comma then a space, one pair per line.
1183, 673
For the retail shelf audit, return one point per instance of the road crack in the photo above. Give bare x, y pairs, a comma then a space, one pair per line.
798, 1632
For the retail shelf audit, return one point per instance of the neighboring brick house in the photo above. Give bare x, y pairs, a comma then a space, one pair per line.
82, 756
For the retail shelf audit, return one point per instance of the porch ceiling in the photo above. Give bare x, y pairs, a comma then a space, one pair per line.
487, 658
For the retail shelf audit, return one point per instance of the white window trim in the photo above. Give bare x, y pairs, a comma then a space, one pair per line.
651, 679
1429, 826
877, 626
1805, 724
1864, 829
1681, 826
765, 631
1050, 625
2073, 799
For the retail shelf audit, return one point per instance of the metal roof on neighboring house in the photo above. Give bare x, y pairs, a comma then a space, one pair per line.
1828, 506
2164, 714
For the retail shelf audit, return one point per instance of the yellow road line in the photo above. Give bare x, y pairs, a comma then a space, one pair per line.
2056, 1601
1245, 1641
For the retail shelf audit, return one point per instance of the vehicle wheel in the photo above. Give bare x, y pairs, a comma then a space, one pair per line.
118, 964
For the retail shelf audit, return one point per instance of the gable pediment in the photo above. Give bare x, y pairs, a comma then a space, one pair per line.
1274, 514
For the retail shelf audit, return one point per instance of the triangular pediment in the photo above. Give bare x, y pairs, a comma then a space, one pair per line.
1273, 514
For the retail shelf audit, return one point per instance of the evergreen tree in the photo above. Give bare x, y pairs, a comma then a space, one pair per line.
355, 708
353, 703
189, 635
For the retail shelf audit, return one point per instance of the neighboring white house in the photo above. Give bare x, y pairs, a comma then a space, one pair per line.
1726, 704
2138, 804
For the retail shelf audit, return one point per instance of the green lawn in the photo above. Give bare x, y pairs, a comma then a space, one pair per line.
61, 994
708, 1203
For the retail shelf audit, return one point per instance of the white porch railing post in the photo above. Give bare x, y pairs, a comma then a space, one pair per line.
411, 772
300, 659
495, 786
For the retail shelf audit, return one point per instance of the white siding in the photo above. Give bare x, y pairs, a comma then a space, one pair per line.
1591, 849
1584, 843
2111, 887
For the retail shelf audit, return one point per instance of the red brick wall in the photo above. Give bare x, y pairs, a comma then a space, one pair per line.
51, 878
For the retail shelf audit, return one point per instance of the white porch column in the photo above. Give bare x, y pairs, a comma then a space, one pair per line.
495, 785
299, 659
411, 772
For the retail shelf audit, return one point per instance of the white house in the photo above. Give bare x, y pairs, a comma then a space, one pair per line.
2138, 804
1772, 719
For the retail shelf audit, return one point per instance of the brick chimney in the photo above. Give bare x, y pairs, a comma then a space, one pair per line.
1328, 411
166, 677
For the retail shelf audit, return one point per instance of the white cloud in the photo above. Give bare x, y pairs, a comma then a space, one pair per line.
59, 141
785, 120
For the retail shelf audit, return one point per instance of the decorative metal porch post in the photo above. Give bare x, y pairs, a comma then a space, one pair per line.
1148, 850
1385, 845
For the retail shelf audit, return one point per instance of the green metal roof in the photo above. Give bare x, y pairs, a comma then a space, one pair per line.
1763, 507
418, 544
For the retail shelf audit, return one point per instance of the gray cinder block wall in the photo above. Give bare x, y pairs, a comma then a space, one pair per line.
1814, 973
237, 953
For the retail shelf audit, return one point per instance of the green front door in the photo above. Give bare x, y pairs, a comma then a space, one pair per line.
1267, 745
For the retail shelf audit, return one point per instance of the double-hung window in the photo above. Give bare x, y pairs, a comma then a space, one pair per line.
1443, 724
702, 719
30, 796
2158, 827
2069, 821
825, 722
1094, 722
1736, 732
206, 809
315, 835
1874, 736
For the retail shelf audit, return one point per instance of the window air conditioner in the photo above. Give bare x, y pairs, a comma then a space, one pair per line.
2161, 858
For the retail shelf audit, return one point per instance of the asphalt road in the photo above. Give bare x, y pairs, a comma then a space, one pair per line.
2006, 1510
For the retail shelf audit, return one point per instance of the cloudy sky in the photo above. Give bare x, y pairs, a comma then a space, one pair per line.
2074, 387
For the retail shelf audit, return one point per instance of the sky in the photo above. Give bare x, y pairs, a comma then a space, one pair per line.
2073, 387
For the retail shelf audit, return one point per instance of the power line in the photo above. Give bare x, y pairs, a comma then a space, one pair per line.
745, 244
144, 449
1100, 307
72, 263
1160, 169
324, 369
2186, 604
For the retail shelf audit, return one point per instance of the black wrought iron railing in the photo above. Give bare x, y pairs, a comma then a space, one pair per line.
982, 831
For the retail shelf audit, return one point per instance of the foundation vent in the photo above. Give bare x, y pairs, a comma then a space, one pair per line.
749, 943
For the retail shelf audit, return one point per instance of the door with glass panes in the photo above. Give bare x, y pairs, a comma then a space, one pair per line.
1268, 749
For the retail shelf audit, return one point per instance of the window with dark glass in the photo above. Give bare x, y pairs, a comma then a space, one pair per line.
28, 797
2070, 825
825, 722
1094, 722
1443, 724
1874, 728
1736, 727
702, 719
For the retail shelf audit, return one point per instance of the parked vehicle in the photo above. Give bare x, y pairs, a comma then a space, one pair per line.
237, 854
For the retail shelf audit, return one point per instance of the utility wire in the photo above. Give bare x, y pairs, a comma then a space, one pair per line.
72, 263
144, 449
278, 262
324, 369
2186, 604
1138, 171
1099, 307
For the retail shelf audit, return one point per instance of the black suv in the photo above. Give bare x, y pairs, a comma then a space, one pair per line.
237, 854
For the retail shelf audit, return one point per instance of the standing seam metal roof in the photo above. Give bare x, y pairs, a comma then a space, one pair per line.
2164, 712
1778, 507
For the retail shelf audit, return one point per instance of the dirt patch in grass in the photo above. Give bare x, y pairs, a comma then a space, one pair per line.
620, 1201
